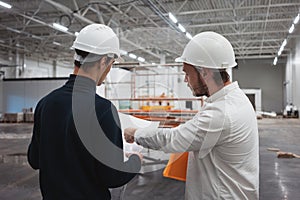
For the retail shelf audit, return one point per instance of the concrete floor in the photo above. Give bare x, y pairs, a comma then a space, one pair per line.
279, 177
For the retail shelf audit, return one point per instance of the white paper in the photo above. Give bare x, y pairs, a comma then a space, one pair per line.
134, 122
128, 121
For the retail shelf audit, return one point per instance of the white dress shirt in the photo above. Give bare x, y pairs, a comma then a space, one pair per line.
222, 141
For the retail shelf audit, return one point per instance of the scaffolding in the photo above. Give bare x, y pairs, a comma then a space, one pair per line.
153, 99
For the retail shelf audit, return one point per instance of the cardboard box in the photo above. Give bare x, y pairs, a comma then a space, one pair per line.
28, 117
13, 117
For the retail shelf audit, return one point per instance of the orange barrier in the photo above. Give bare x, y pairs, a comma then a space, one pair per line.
177, 166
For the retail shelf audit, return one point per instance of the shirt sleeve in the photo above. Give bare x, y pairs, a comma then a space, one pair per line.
33, 152
117, 177
199, 134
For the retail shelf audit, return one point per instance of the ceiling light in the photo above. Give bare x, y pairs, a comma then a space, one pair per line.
292, 28
57, 43
173, 18
181, 28
123, 52
36, 37
284, 43
281, 48
296, 20
60, 27
13, 30
188, 35
5, 5
275, 61
18, 45
141, 59
131, 55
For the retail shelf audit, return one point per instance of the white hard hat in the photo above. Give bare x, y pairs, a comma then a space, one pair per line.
210, 50
98, 39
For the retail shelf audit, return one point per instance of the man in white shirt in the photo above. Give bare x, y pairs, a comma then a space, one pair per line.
222, 138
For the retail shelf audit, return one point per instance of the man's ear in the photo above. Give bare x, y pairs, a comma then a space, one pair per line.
204, 72
102, 62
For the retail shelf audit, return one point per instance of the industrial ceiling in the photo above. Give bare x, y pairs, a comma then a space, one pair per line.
256, 28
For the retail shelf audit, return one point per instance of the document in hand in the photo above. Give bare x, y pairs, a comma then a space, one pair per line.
134, 122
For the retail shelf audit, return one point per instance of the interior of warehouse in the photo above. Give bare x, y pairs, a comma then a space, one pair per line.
36, 58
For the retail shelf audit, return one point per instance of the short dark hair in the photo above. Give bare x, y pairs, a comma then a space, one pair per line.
221, 76
82, 54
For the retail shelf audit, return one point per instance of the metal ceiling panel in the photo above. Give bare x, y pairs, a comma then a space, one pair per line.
255, 28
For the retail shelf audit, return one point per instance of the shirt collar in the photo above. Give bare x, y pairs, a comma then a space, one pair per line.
222, 92
82, 83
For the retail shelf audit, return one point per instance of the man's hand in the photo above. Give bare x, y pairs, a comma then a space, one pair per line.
135, 153
129, 134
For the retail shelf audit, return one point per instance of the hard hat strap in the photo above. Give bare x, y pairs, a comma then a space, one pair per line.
198, 68
90, 57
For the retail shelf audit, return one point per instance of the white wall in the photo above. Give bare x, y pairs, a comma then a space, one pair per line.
261, 74
1, 96
117, 85
296, 75
36, 68
2, 61
288, 82
19, 94
64, 71
292, 78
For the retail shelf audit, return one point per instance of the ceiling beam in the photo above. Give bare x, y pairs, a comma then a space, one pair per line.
69, 11
234, 23
154, 23
43, 23
265, 25
256, 57
258, 47
139, 47
194, 12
